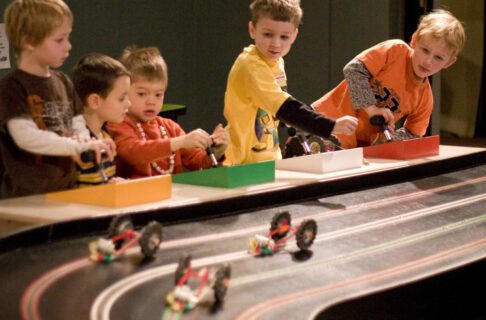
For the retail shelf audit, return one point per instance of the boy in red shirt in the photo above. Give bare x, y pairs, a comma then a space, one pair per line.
391, 80
150, 145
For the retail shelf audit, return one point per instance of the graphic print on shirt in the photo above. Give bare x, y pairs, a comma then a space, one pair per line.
385, 97
266, 125
51, 115
266, 132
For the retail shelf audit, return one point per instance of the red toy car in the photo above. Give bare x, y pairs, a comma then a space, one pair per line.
194, 288
280, 231
122, 236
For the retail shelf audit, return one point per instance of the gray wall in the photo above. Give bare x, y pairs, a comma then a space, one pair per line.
200, 40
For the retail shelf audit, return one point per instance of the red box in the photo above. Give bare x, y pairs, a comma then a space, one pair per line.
405, 150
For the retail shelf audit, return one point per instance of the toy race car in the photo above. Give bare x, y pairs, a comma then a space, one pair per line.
122, 236
280, 231
194, 288
300, 143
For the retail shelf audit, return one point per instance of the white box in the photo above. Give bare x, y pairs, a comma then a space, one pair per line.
323, 162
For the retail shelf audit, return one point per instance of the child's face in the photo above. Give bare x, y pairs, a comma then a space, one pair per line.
54, 49
273, 38
429, 56
116, 104
147, 98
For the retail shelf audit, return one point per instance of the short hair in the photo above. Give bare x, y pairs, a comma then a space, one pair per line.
96, 73
279, 10
146, 63
441, 24
33, 20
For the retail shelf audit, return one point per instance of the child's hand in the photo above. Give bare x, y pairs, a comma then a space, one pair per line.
345, 125
220, 140
385, 112
103, 146
195, 139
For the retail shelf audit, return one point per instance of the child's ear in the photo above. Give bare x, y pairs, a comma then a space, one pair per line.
93, 101
294, 36
251, 30
26, 43
414, 41
451, 62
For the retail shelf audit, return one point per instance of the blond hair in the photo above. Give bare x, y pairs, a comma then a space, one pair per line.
441, 24
279, 10
33, 21
145, 62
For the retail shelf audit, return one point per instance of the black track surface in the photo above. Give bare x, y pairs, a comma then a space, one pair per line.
334, 259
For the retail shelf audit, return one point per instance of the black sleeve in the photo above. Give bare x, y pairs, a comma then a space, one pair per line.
303, 117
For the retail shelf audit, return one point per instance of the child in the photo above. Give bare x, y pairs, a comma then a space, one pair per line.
256, 90
147, 144
39, 110
102, 84
391, 80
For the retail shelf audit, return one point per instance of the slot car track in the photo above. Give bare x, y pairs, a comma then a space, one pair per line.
399, 249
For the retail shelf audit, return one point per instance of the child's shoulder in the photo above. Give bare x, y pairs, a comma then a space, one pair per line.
391, 47
392, 43
250, 61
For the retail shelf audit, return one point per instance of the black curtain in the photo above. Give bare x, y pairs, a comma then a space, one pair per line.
480, 130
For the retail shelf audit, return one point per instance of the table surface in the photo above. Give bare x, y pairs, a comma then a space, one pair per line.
36, 210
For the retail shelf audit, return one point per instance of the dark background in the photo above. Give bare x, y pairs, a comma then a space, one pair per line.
201, 39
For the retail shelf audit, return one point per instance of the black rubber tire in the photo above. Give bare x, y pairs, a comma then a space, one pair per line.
184, 263
278, 220
151, 238
221, 283
293, 148
118, 225
306, 233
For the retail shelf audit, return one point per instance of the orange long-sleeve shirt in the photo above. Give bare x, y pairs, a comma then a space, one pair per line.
135, 155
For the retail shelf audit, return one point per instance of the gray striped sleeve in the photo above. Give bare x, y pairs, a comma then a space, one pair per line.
358, 77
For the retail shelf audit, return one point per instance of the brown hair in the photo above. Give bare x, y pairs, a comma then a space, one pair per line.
279, 10
145, 62
33, 20
96, 73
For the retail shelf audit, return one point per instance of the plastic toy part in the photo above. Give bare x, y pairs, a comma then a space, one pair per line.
122, 236
193, 288
280, 231
299, 144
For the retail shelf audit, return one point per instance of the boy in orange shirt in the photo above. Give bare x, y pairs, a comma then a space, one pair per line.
391, 80
150, 145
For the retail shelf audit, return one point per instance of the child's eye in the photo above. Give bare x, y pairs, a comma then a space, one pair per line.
268, 35
284, 37
159, 95
141, 94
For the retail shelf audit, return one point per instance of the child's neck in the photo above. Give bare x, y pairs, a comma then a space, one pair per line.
32, 66
94, 125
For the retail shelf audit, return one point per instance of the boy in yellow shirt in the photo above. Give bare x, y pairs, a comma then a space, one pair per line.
256, 97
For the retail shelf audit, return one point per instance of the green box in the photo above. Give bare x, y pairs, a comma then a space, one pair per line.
230, 177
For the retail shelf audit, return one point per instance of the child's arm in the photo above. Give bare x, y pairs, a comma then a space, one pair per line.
132, 149
29, 137
297, 114
197, 138
358, 79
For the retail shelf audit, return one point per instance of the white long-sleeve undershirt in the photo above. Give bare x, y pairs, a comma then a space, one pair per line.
29, 137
